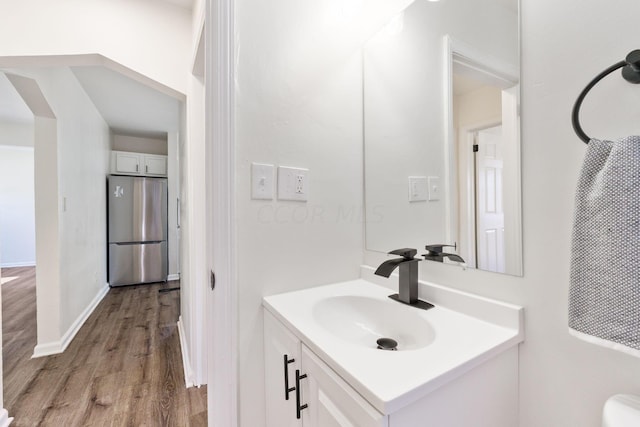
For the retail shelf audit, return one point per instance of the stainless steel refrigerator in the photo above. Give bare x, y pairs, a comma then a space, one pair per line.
137, 233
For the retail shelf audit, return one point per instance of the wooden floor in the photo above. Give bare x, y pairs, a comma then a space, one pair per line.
123, 368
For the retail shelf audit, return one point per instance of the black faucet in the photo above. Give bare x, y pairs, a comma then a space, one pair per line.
435, 253
408, 286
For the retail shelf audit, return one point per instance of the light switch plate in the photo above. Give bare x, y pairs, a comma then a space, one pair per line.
293, 183
418, 189
434, 188
261, 181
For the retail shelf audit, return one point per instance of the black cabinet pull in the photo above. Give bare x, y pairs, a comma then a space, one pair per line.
287, 389
298, 407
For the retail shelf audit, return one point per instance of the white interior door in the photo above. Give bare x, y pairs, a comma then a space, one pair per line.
489, 204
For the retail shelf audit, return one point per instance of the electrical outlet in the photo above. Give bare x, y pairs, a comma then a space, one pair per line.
299, 184
293, 184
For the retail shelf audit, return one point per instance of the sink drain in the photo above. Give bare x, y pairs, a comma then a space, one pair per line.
387, 344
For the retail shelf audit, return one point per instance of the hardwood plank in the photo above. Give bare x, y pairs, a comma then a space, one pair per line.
36, 397
71, 390
124, 367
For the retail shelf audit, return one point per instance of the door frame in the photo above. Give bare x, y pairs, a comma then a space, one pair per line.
501, 74
221, 222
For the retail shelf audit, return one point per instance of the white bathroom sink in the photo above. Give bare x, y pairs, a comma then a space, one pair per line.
361, 321
341, 323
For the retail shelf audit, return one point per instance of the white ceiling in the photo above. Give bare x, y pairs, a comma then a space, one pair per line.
128, 106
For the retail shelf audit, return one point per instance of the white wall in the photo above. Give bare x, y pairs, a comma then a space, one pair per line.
193, 239
48, 293
83, 163
194, 266
12, 133
148, 36
289, 115
478, 108
581, 375
563, 381
139, 144
298, 103
71, 164
17, 208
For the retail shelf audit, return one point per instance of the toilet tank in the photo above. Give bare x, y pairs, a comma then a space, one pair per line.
621, 410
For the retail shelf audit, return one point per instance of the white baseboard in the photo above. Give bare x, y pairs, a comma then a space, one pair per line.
56, 347
17, 264
173, 277
186, 360
4, 418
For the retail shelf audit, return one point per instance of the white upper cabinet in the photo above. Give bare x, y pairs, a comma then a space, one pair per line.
128, 163
155, 165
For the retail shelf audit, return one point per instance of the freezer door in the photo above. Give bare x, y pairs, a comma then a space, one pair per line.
137, 209
137, 263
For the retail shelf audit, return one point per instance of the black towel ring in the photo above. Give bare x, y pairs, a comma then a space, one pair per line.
631, 73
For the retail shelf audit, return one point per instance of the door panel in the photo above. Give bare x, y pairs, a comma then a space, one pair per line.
280, 404
489, 197
137, 263
331, 401
137, 209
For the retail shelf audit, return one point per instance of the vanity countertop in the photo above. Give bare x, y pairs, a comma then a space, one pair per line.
456, 341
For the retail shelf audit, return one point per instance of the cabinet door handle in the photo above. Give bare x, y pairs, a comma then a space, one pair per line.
136, 167
146, 168
287, 389
299, 408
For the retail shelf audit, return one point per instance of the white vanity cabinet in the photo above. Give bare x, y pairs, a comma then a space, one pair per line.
129, 163
453, 368
301, 390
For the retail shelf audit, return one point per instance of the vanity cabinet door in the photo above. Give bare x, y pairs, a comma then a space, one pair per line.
282, 359
330, 401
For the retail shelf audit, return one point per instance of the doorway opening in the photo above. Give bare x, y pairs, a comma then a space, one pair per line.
17, 232
89, 145
484, 163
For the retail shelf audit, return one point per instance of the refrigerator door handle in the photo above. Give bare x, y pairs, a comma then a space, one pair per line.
146, 242
178, 213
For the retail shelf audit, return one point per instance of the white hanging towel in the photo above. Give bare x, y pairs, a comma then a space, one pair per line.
604, 296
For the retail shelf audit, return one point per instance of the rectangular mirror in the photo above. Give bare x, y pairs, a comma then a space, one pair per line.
442, 132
